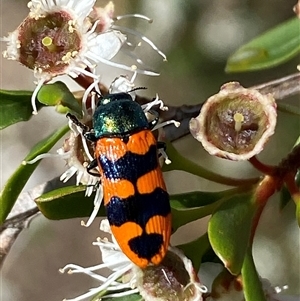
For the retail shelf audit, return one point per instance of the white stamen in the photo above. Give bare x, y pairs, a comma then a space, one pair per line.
79, 176
166, 276
67, 175
144, 38
85, 72
139, 16
86, 93
107, 282
34, 94
97, 205
165, 156
86, 148
43, 156
160, 125
146, 107
121, 66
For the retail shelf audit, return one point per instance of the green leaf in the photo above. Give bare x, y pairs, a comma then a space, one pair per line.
59, 95
201, 198
270, 49
182, 217
67, 202
16, 182
181, 163
229, 230
200, 244
252, 285
285, 196
15, 106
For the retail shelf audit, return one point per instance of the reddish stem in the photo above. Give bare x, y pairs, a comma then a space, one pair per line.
263, 168
265, 189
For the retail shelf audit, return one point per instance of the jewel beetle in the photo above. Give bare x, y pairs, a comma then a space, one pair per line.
135, 196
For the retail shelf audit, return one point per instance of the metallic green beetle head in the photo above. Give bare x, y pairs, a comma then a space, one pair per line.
117, 115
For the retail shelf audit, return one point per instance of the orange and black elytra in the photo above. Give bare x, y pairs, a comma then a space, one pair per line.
135, 196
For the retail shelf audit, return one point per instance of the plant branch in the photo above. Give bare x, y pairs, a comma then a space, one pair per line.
22, 213
280, 88
263, 168
11, 228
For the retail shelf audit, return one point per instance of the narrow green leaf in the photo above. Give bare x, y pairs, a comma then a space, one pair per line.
270, 49
201, 198
182, 217
252, 285
67, 202
16, 182
285, 197
200, 244
229, 230
15, 106
181, 163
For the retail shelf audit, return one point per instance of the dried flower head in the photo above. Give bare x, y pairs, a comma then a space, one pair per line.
235, 123
173, 279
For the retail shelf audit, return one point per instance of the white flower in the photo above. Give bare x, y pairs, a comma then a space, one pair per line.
173, 277
57, 38
70, 37
107, 22
114, 260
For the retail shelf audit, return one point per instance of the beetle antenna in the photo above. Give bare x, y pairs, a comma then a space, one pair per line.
137, 88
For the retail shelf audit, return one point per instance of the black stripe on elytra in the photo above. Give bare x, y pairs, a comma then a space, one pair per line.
138, 208
131, 166
146, 245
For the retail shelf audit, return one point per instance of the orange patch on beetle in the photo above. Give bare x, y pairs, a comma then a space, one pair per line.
123, 235
151, 180
162, 225
129, 230
140, 142
113, 148
120, 188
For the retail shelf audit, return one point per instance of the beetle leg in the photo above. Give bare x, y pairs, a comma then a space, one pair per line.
153, 122
93, 164
161, 145
74, 119
85, 129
